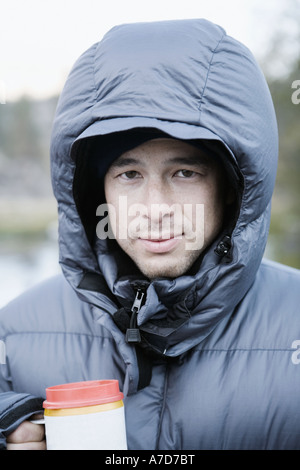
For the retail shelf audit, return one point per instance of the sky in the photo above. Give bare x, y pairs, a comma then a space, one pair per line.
41, 39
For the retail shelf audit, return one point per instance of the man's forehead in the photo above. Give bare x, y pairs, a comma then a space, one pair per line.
172, 151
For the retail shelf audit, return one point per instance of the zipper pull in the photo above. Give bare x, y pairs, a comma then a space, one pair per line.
133, 334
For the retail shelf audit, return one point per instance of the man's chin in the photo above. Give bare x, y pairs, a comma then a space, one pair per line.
170, 269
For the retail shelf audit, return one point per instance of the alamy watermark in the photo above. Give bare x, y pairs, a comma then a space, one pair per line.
296, 94
2, 352
296, 354
159, 222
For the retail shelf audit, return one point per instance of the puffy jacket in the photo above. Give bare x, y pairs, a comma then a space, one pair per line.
218, 365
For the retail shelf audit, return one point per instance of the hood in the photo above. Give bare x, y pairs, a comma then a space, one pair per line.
191, 81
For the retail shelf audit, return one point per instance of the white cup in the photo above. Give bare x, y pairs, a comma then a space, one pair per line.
85, 416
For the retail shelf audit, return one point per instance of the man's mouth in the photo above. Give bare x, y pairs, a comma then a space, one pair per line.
161, 244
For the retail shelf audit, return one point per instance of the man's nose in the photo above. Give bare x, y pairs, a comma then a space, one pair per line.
158, 202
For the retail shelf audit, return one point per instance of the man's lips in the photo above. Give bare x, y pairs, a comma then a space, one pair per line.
159, 245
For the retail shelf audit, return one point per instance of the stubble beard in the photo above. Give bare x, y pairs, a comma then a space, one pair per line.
164, 267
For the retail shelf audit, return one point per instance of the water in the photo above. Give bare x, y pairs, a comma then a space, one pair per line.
24, 263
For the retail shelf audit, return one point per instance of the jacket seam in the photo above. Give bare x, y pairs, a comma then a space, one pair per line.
64, 333
244, 349
96, 90
162, 409
208, 72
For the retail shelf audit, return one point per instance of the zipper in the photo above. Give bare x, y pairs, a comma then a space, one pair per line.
133, 334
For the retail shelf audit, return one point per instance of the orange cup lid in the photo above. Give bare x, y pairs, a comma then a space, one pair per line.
77, 394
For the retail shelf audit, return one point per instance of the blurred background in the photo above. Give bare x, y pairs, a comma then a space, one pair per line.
40, 41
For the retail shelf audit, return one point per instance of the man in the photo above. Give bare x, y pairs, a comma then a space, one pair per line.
164, 153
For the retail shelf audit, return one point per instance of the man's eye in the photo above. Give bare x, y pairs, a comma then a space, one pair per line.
185, 173
130, 175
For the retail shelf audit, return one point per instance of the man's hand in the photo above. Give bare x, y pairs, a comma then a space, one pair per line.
27, 436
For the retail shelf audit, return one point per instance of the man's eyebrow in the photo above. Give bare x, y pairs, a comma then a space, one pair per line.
180, 160
189, 160
126, 161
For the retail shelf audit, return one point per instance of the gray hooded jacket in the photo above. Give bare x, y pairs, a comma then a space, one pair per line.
218, 366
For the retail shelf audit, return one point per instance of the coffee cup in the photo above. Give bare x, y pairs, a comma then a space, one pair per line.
85, 416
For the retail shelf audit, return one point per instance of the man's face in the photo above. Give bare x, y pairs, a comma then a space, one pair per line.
166, 201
